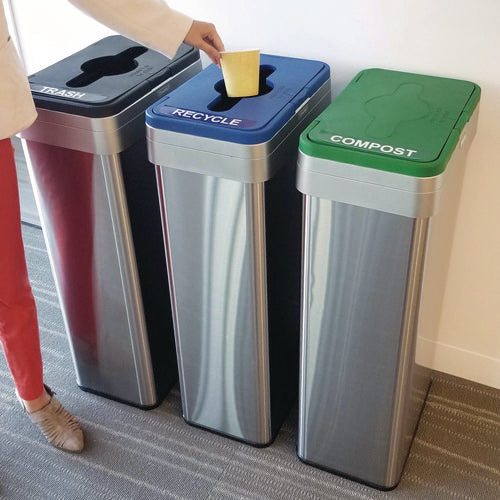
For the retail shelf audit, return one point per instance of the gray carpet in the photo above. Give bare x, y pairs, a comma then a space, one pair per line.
136, 454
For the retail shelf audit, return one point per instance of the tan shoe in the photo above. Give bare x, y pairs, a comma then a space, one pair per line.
61, 429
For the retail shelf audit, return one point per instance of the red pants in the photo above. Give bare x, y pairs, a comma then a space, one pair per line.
18, 318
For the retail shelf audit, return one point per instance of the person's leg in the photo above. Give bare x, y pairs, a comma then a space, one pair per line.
18, 318
19, 334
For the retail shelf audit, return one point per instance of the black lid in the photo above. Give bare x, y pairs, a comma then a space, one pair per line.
106, 77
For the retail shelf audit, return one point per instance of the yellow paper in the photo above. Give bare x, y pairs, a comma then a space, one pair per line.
241, 72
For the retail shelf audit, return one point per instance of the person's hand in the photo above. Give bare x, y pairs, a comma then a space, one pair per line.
204, 36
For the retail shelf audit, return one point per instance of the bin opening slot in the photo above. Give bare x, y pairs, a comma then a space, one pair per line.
225, 103
94, 69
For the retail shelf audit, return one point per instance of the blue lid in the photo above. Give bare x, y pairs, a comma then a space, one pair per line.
201, 107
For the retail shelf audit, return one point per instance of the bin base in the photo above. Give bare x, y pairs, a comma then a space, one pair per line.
361, 480
230, 436
347, 476
160, 399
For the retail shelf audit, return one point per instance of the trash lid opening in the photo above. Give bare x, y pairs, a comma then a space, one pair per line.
118, 64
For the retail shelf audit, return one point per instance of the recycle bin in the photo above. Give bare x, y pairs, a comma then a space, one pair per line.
381, 171
99, 211
232, 219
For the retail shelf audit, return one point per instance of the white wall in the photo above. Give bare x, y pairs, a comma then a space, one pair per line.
451, 38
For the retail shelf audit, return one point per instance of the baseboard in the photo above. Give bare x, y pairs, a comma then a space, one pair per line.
459, 362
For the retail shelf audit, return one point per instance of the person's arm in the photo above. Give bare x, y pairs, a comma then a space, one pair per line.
204, 36
154, 24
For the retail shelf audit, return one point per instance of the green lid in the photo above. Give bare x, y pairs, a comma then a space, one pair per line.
393, 121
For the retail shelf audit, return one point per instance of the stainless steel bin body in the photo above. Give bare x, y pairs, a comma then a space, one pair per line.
376, 244
86, 156
231, 218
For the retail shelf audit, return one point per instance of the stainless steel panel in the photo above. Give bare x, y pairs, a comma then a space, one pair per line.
217, 269
360, 390
416, 197
83, 209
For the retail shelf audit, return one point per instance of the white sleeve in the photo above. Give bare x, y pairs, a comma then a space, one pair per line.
150, 22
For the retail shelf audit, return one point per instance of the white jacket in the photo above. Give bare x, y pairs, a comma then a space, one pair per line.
149, 22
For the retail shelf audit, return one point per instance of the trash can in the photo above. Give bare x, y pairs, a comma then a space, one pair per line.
380, 171
231, 218
99, 210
